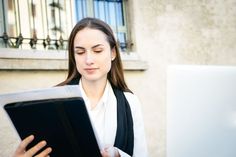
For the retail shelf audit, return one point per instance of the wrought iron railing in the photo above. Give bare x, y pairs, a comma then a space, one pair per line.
16, 42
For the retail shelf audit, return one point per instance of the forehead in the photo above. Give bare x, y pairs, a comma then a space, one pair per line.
88, 36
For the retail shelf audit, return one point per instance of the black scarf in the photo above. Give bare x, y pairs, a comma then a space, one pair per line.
124, 134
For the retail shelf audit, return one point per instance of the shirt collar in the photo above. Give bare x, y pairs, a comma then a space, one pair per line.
104, 99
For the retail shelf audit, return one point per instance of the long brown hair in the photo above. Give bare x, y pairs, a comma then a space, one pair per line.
115, 75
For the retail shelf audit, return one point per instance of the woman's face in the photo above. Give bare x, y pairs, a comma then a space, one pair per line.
93, 54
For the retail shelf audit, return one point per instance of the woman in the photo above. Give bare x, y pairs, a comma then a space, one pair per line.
95, 64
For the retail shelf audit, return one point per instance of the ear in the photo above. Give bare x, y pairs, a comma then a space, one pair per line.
113, 54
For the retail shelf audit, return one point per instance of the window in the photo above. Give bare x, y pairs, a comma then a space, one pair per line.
37, 24
40, 25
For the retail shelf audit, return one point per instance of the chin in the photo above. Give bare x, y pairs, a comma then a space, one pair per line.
91, 78
94, 78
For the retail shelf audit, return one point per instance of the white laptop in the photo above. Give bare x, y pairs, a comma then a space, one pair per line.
201, 111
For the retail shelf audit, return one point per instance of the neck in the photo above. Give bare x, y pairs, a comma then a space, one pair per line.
94, 90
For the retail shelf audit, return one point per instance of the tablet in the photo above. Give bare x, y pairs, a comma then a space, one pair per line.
63, 122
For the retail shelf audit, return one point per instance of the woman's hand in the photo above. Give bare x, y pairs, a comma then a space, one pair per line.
21, 149
110, 152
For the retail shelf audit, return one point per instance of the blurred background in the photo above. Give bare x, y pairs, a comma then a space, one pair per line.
152, 35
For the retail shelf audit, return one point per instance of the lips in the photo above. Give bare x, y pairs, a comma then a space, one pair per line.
90, 70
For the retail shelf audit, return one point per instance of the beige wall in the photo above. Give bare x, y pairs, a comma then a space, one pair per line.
12, 81
177, 32
165, 32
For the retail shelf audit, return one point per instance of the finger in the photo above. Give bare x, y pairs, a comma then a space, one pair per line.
45, 153
36, 148
104, 153
24, 143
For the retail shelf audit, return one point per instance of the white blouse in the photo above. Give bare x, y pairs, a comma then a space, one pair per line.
104, 120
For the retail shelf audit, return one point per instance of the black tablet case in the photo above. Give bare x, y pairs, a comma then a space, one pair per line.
64, 123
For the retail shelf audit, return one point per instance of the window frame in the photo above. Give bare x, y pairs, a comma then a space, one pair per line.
15, 59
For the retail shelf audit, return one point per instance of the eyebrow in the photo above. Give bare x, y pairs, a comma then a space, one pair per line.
79, 47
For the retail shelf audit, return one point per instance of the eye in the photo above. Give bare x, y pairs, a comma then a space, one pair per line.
97, 50
79, 52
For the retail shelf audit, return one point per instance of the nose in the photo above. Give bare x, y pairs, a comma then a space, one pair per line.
89, 58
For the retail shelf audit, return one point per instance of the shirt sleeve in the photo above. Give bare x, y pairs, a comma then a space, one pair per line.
140, 145
122, 154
